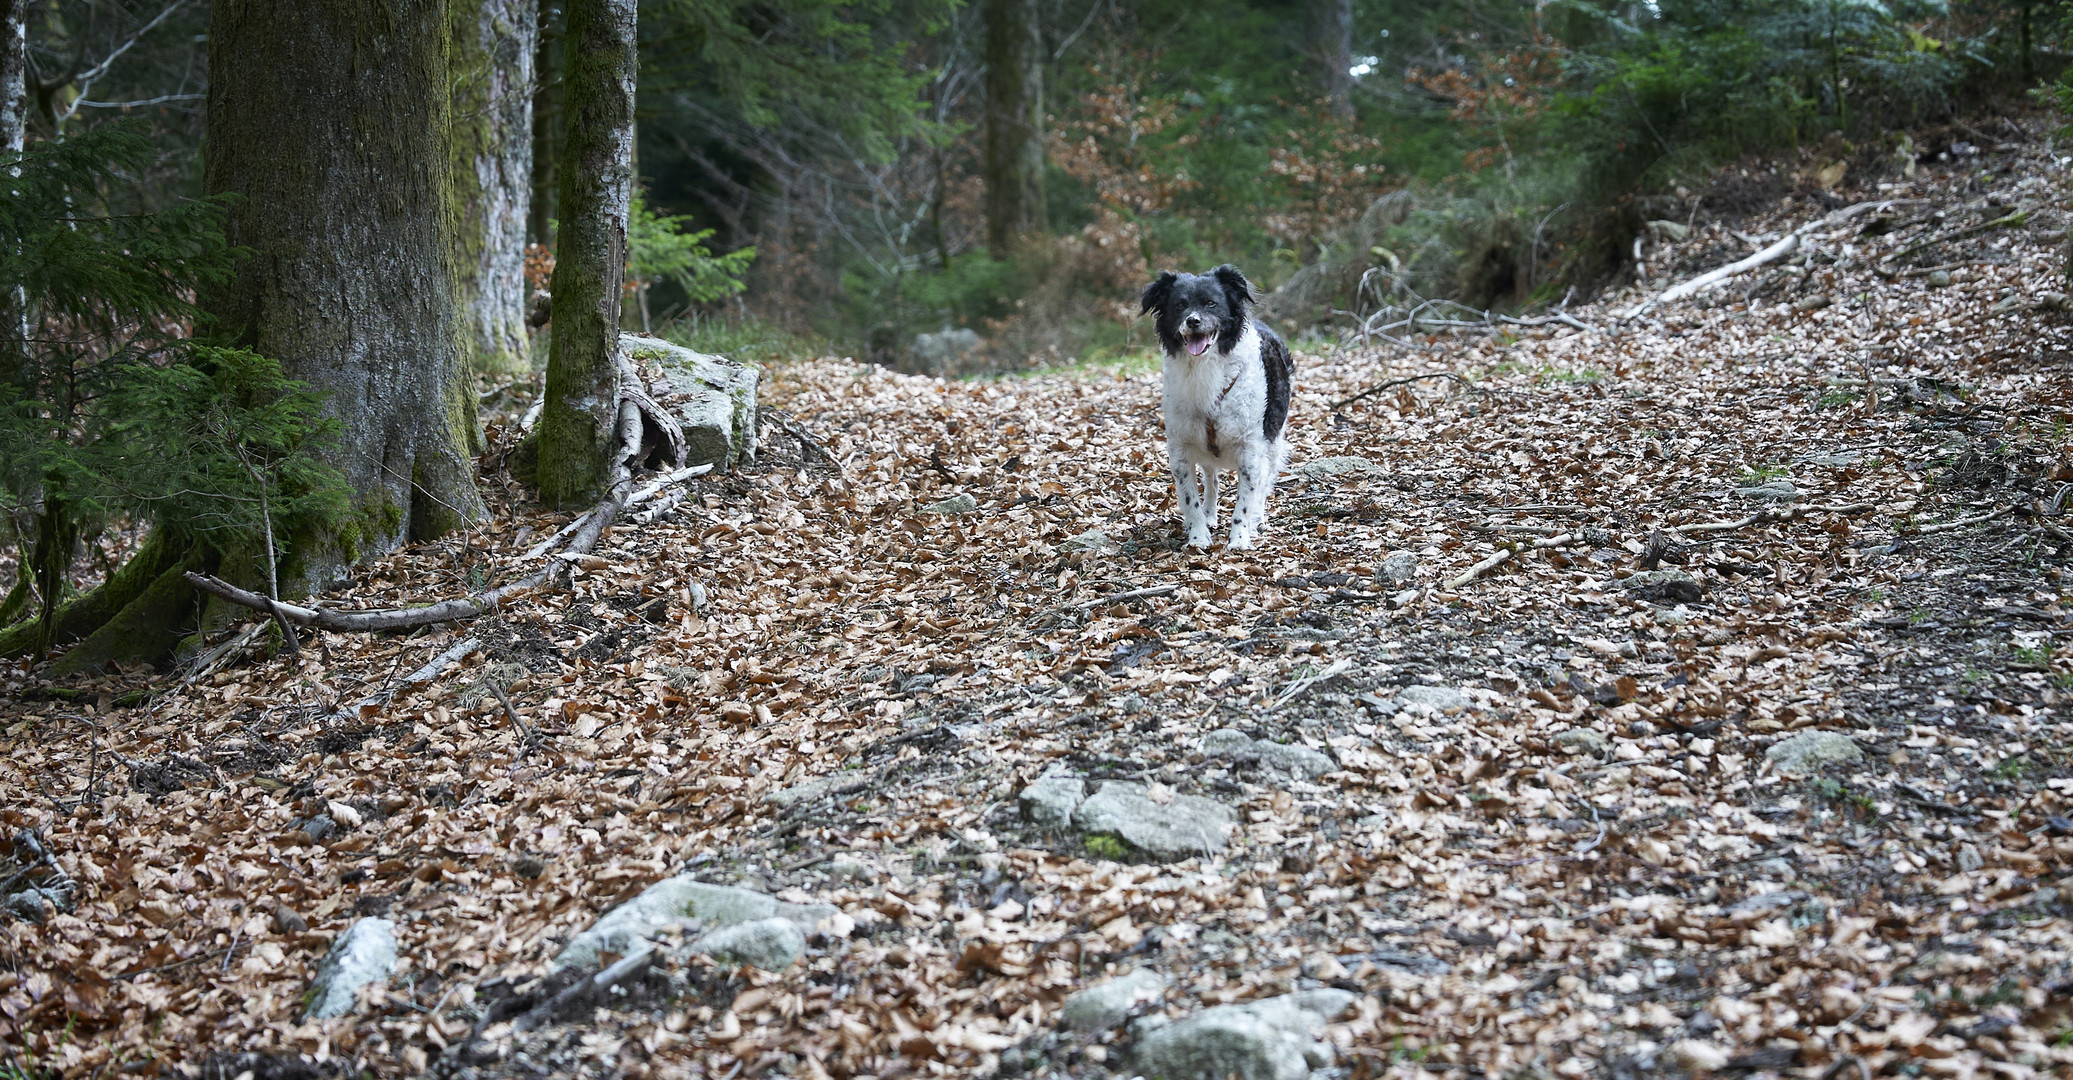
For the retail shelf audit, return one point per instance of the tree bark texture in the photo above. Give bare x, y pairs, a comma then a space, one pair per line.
492, 74
1330, 50
14, 75
579, 435
332, 122
546, 112
1014, 122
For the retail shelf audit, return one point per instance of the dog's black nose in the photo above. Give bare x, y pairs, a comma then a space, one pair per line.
1192, 321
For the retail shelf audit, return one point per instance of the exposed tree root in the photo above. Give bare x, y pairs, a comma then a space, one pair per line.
104, 603
584, 536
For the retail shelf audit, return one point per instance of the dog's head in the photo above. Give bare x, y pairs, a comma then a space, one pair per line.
1198, 309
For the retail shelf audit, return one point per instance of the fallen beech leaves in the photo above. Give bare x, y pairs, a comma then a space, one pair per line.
1579, 852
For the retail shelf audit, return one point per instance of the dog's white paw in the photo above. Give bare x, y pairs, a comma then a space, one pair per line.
1201, 540
1241, 540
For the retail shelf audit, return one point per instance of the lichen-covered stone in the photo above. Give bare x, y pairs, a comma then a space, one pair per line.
680, 902
714, 399
1188, 825
1051, 800
1811, 751
1099, 1008
365, 953
771, 944
1273, 1039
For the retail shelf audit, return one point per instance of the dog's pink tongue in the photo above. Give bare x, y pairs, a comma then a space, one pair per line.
1198, 346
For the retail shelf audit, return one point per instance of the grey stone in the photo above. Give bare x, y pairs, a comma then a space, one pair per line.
1189, 825
1665, 587
364, 954
1099, 1008
1294, 758
320, 828
1322, 468
1939, 279
680, 902
714, 398
1969, 858
1811, 751
1301, 761
952, 506
1836, 460
37, 901
1582, 740
1051, 800
1274, 1039
1774, 491
1091, 540
771, 944
1438, 698
945, 352
1400, 568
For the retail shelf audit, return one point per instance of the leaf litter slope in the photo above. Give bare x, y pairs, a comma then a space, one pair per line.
1584, 861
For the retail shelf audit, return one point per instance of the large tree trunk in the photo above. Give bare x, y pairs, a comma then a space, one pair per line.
14, 75
332, 120
1014, 122
492, 58
579, 436
1330, 49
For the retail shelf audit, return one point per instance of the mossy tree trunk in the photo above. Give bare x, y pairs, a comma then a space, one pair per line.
1014, 143
332, 122
492, 75
578, 435
546, 115
1330, 49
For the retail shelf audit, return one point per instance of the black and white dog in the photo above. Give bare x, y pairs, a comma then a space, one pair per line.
1228, 382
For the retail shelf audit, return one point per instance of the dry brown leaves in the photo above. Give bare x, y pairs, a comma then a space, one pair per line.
1654, 892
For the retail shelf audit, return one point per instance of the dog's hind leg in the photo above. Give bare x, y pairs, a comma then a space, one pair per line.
1256, 473
1193, 516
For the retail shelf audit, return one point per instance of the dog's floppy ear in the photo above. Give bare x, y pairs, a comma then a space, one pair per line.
1235, 285
1157, 292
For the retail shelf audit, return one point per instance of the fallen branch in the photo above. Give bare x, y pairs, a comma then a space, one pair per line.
1301, 686
1505, 554
1379, 387
1761, 517
1768, 517
2007, 221
646, 434
806, 441
1126, 597
1778, 250
1952, 526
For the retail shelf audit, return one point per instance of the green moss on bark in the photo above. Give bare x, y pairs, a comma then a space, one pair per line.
578, 425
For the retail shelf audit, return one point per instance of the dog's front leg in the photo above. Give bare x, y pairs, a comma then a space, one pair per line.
1193, 515
1255, 483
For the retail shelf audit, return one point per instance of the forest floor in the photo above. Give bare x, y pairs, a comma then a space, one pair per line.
1570, 853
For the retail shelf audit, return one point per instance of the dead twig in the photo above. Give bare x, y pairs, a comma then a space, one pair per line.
1505, 554
1126, 597
1778, 250
1379, 387
1965, 522
2004, 222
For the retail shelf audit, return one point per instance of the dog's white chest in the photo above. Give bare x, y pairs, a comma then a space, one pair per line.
1212, 401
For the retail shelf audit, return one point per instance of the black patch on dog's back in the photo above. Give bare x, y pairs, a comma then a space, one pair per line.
1281, 375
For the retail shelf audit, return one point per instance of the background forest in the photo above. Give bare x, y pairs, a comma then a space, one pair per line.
842, 151
940, 187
